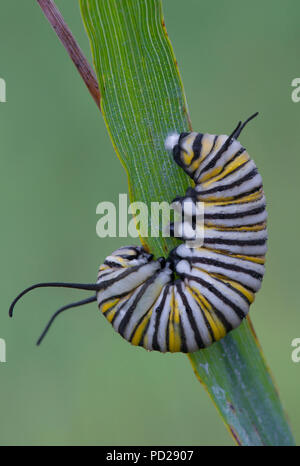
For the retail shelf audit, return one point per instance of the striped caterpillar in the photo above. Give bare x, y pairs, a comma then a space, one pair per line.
197, 295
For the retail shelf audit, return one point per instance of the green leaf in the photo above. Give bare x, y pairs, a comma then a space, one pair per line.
142, 97
142, 100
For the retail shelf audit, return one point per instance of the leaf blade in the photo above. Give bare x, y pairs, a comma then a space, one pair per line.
145, 133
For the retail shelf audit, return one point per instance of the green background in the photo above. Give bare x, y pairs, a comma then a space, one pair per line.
86, 385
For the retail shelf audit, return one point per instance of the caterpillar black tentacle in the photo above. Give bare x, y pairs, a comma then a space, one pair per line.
92, 299
198, 294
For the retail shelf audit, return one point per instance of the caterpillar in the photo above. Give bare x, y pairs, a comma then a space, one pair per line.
196, 295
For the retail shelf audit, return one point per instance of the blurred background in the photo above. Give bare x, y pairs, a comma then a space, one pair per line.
86, 385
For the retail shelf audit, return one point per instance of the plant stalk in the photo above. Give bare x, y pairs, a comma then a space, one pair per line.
66, 37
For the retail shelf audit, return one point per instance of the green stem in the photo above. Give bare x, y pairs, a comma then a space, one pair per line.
236, 376
65, 35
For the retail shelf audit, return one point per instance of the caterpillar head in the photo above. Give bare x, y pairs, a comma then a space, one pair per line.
182, 147
127, 256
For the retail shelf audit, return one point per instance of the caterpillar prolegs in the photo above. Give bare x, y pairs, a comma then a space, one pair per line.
198, 294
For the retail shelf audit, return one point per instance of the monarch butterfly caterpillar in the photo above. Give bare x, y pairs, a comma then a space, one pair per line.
144, 300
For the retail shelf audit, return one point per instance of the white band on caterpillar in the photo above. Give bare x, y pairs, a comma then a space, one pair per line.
171, 141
